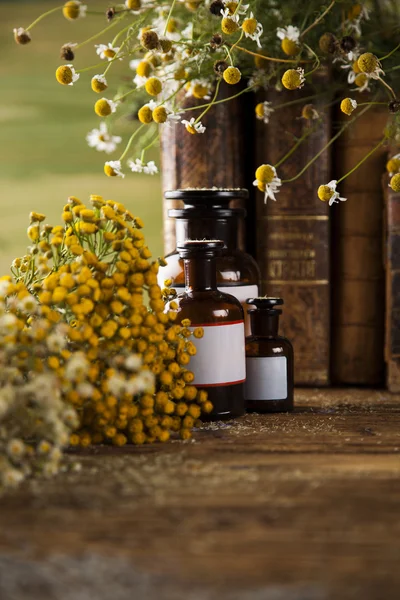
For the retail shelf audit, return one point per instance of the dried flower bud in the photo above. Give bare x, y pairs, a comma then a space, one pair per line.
66, 52
216, 41
110, 13
347, 43
394, 106
22, 36
149, 39
216, 6
220, 66
166, 45
328, 43
309, 112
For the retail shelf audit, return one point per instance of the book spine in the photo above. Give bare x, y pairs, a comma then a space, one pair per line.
357, 266
293, 236
392, 274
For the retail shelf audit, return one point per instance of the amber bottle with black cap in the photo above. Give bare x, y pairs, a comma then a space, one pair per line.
219, 365
206, 214
269, 359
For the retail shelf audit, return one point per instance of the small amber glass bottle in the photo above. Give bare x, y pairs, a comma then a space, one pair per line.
269, 360
219, 365
206, 214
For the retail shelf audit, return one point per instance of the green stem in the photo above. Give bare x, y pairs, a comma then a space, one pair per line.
294, 148
211, 103
96, 35
169, 17
318, 62
281, 60
318, 20
218, 101
53, 10
390, 53
237, 42
134, 134
149, 146
362, 160
331, 141
388, 87
100, 64
228, 53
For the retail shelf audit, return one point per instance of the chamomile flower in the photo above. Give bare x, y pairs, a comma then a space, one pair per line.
357, 14
348, 105
21, 36
362, 83
66, 75
290, 37
252, 29
263, 111
232, 7
105, 107
138, 166
102, 140
74, 10
369, 64
395, 183
293, 79
99, 83
107, 51
193, 127
113, 168
199, 88
230, 22
28, 304
393, 165
267, 181
328, 193
162, 114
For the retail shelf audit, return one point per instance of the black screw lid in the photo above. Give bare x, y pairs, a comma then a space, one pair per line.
206, 202
200, 248
265, 303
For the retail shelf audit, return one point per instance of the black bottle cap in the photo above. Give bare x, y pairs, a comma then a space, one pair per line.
200, 248
265, 303
206, 202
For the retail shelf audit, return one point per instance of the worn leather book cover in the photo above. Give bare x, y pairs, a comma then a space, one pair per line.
293, 235
358, 290
392, 274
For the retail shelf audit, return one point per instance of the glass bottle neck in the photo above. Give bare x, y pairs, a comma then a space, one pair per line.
210, 228
200, 274
264, 324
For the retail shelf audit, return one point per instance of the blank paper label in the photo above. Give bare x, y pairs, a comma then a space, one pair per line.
241, 293
220, 357
266, 378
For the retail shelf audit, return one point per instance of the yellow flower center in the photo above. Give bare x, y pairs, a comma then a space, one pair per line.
133, 4
143, 69
393, 165
145, 115
172, 25
109, 171
153, 86
291, 79
395, 183
109, 53
265, 174
361, 80
355, 67
232, 75
102, 108
232, 6
191, 129
290, 47
160, 114
64, 75
346, 106
98, 86
325, 193
229, 26
368, 62
260, 110
199, 90
71, 10
249, 26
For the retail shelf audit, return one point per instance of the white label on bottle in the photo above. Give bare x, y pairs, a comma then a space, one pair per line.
220, 358
266, 378
242, 292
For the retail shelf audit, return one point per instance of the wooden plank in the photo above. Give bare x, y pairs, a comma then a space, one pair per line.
280, 507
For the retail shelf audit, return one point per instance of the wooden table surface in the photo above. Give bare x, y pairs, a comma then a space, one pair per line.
274, 507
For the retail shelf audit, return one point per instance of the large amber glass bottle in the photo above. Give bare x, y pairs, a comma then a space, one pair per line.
206, 214
269, 360
219, 365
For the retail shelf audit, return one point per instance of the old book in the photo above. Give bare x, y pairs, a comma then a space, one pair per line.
293, 235
392, 274
357, 266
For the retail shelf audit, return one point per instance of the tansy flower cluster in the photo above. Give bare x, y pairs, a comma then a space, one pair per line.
35, 421
179, 50
122, 359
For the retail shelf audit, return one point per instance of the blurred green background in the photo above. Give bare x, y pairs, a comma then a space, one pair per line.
44, 157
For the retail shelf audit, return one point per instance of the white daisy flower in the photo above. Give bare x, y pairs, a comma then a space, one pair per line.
263, 111
76, 367
354, 25
193, 127
28, 304
270, 186
101, 140
138, 166
15, 448
328, 193
113, 168
363, 87
242, 10
289, 33
107, 51
199, 88
11, 477
252, 29
133, 362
